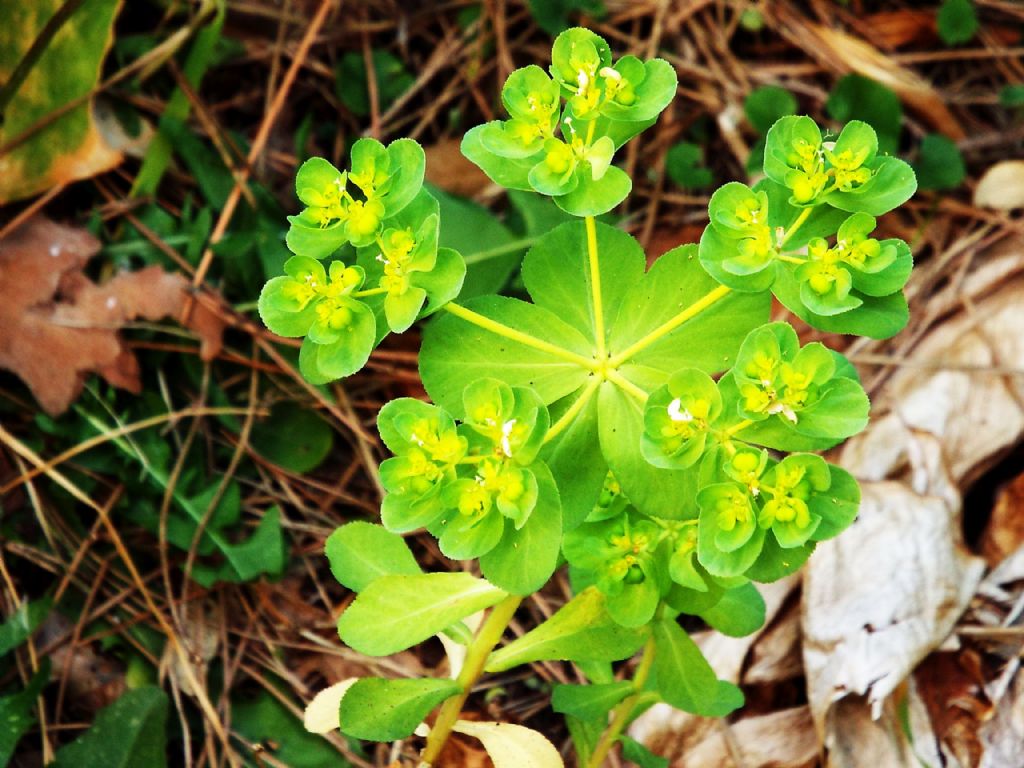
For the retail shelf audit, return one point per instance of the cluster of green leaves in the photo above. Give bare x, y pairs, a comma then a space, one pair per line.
393, 273
649, 427
565, 150
777, 235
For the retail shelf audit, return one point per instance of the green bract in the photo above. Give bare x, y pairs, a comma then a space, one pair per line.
646, 423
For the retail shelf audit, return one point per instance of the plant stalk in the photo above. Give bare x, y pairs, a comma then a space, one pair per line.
476, 656
595, 287
624, 710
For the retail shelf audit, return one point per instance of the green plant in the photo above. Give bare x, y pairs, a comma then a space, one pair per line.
650, 428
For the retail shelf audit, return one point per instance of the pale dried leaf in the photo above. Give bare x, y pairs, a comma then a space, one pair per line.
783, 739
455, 651
1001, 186
888, 591
1003, 735
59, 326
512, 746
321, 715
842, 53
777, 654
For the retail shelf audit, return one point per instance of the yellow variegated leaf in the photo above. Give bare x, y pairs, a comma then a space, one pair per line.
321, 714
513, 746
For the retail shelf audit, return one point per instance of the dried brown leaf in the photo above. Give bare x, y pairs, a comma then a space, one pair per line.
59, 326
450, 170
1001, 187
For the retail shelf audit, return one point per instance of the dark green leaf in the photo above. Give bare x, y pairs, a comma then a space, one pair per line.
589, 702
860, 98
957, 21
292, 437
130, 733
740, 612
939, 163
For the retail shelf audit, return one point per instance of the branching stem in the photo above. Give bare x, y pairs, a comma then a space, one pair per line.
595, 288
570, 415
624, 710
666, 328
525, 339
476, 656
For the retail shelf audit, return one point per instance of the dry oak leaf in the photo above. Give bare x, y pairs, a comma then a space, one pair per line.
58, 326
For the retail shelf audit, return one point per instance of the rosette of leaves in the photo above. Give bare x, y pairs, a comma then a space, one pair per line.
344, 310
564, 128
804, 232
479, 486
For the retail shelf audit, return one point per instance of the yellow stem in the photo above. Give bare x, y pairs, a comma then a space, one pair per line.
595, 287
574, 410
796, 225
623, 711
618, 379
523, 338
666, 328
727, 433
369, 292
476, 656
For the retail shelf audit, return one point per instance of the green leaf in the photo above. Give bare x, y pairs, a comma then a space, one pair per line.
740, 612
939, 163
130, 733
592, 197
681, 673
1012, 95
581, 630
684, 163
589, 702
553, 15
408, 163
859, 98
292, 437
659, 492
509, 173
636, 752
360, 552
350, 81
575, 459
376, 709
262, 553
877, 317
455, 352
764, 105
957, 21
397, 611
675, 282
444, 282
321, 363
841, 505
892, 184
264, 719
651, 95
19, 625
525, 559
774, 562
17, 711
556, 273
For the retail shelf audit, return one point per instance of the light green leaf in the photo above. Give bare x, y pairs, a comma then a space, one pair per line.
556, 272
395, 612
455, 352
708, 341
525, 559
589, 702
892, 184
575, 459
662, 493
509, 173
681, 673
360, 552
739, 613
376, 709
130, 733
592, 197
581, 630
637, 753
